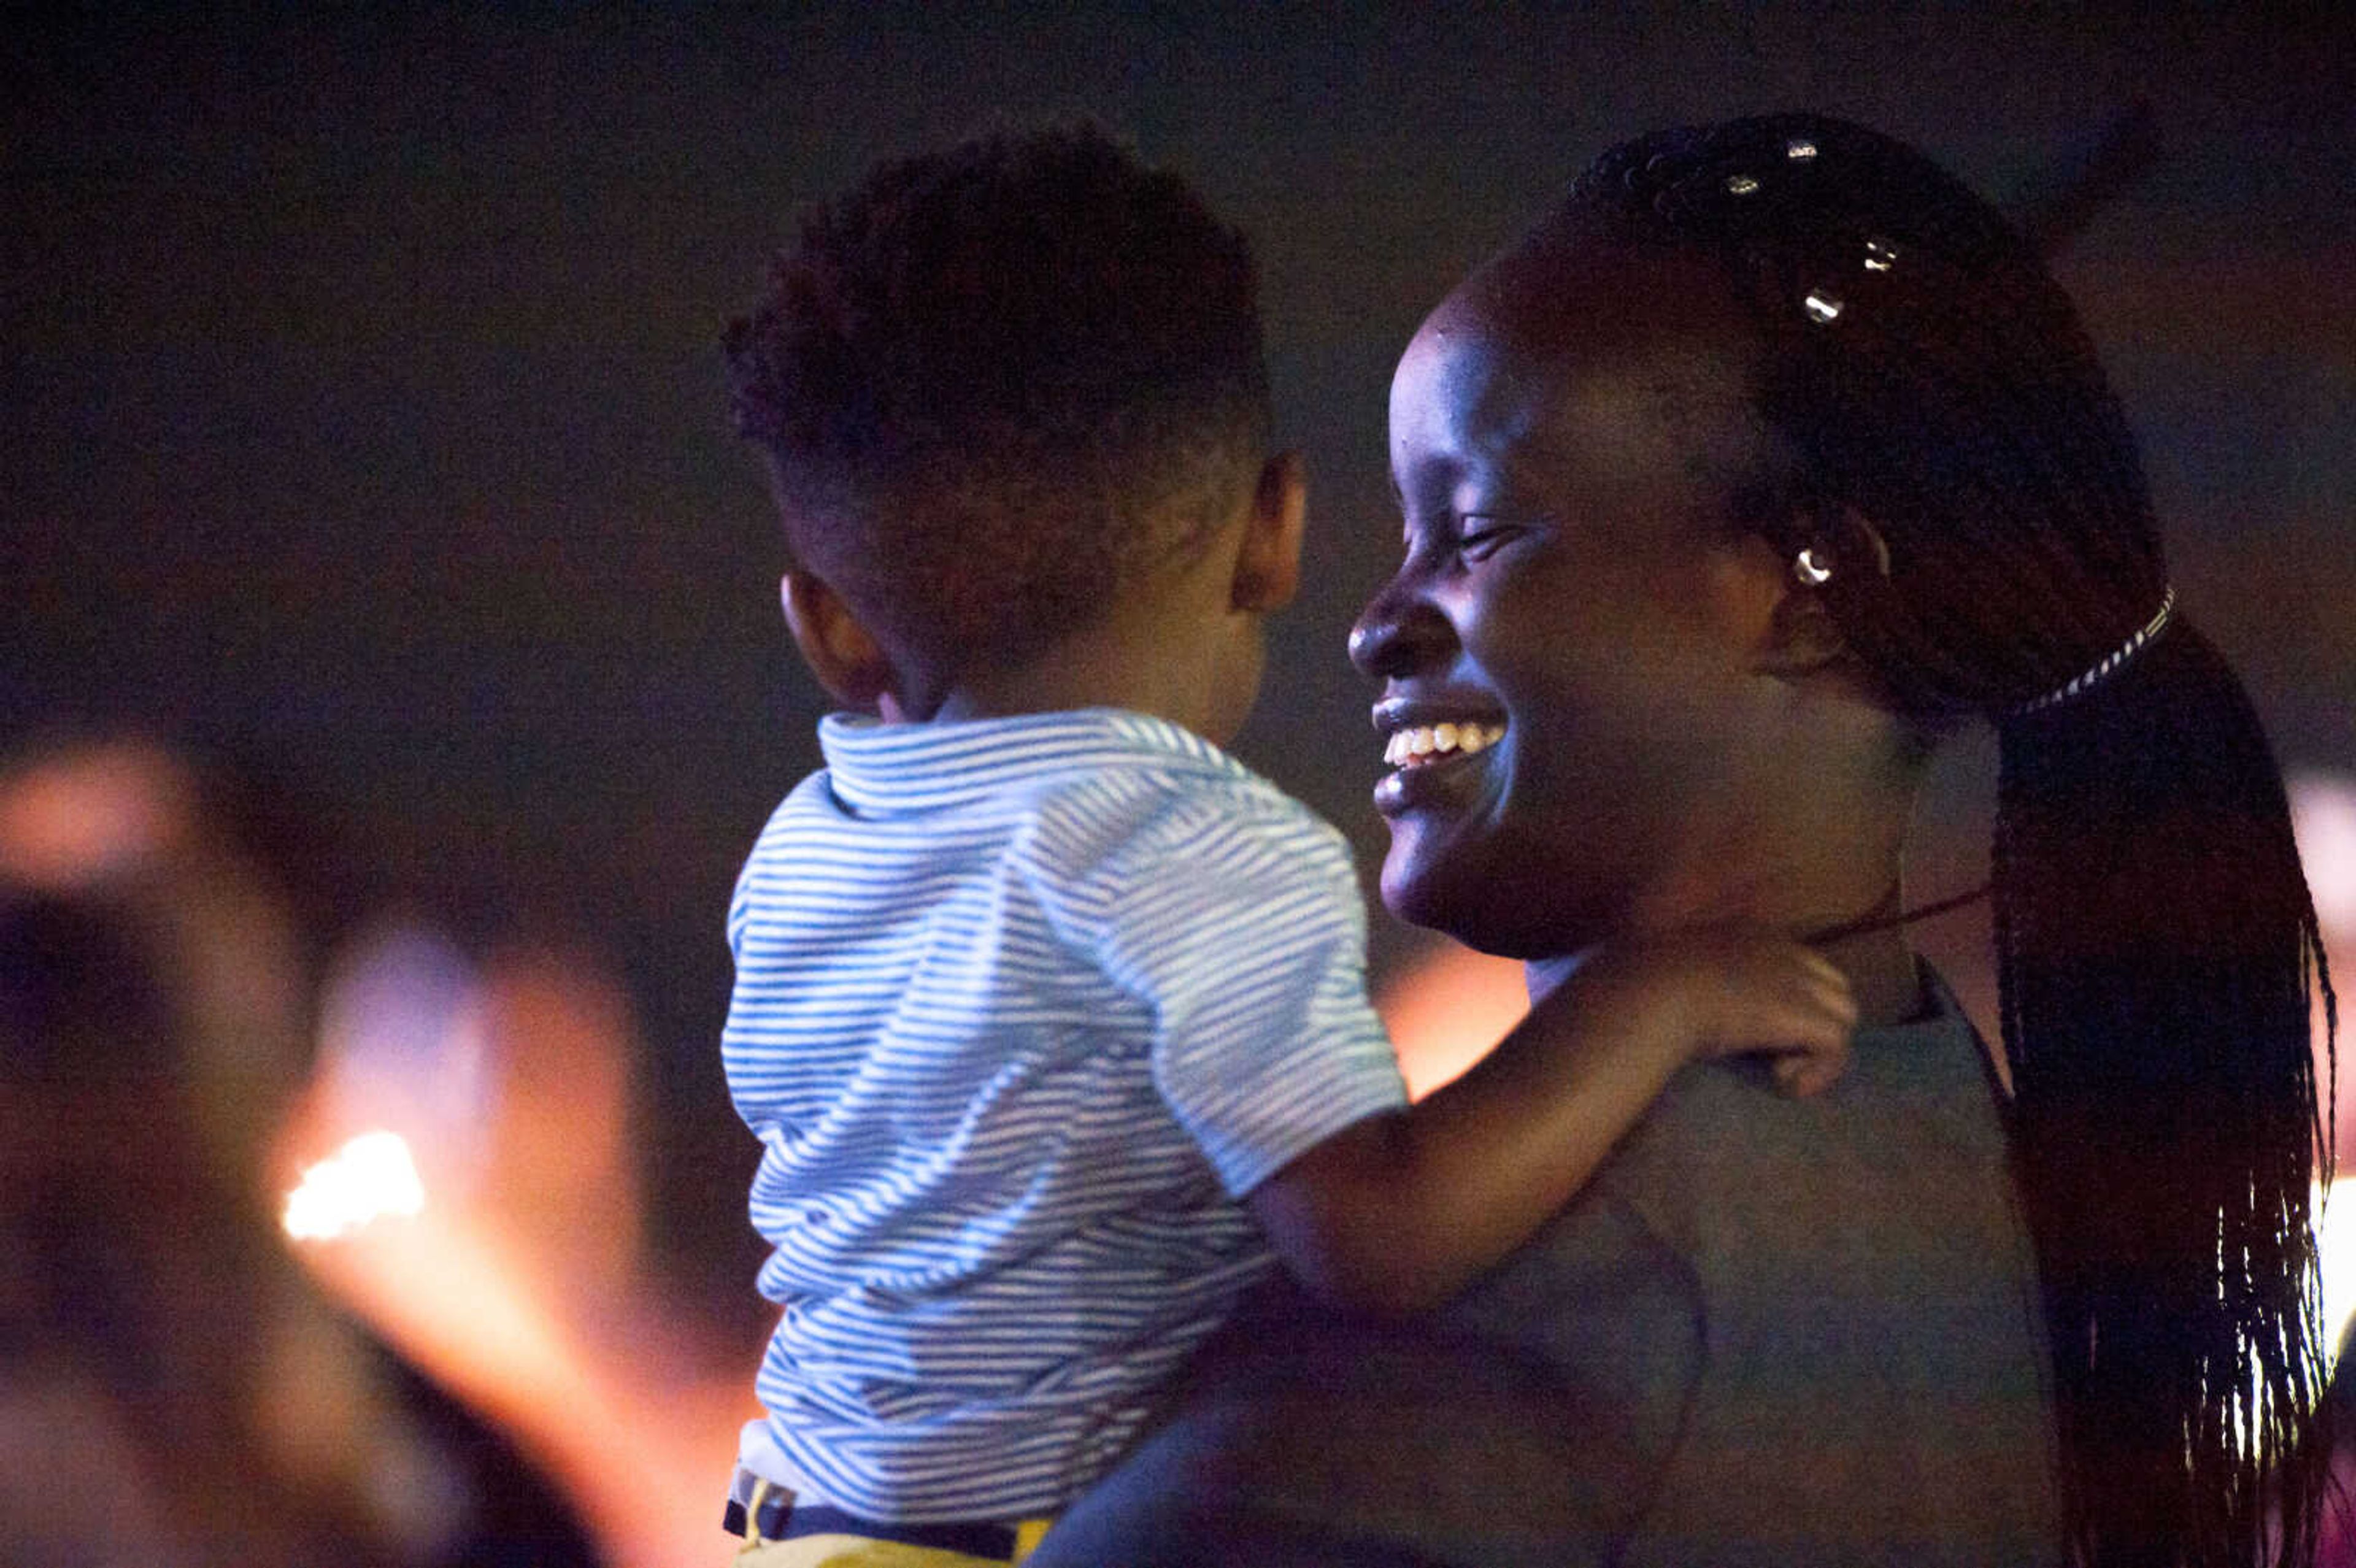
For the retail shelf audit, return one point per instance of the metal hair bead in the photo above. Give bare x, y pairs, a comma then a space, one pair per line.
1741, 185
1879, 255
1799, 149
1810, 571
1822, 306
2110, 662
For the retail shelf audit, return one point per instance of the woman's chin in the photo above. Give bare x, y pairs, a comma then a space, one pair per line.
1409, 897
1493, 903
1449, 899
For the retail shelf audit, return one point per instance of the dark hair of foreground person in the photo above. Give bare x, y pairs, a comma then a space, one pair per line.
2155, 941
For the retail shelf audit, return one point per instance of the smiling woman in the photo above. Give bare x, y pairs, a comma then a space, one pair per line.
1571, 579
1767, 462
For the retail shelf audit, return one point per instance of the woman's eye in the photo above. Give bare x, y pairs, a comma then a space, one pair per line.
1482, 537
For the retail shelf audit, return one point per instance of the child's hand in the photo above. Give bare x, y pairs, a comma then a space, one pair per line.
1394, 1213
1708, 993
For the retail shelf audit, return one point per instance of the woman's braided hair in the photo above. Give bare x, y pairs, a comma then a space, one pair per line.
2155, 947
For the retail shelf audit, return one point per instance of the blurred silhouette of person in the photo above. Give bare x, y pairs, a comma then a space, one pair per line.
522, 1284
172, 1390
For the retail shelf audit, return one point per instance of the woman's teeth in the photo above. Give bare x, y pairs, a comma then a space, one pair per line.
1429, 743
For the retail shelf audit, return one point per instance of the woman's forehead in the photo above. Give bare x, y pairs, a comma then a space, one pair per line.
1576, 390
1600, 295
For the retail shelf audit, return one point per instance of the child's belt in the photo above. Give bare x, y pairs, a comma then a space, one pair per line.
766, 1512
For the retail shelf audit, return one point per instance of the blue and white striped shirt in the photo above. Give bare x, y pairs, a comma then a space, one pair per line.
1024, 1006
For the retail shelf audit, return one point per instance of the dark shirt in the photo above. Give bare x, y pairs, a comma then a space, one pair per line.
1769, 1332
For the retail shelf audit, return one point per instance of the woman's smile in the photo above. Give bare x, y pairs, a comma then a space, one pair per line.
1433, 747
1430, 744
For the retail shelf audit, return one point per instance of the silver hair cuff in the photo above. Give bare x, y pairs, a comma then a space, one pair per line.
2111, 661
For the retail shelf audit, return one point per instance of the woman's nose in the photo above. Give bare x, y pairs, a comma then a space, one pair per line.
1398, 632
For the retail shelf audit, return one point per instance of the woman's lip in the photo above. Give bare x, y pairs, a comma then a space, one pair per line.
1419, 712
1403, 790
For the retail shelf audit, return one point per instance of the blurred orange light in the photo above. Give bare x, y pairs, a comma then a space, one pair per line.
1448, 1011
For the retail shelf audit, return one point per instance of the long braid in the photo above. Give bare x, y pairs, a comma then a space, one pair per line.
2155, 946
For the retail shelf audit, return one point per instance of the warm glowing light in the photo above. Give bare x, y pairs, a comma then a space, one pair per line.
370, 1177
1446, 1012
2335, 1245
2323, 813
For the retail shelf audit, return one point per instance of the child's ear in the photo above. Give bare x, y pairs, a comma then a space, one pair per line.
1268, 568
844, 656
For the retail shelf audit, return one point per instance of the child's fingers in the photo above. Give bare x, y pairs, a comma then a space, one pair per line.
1802, 1012
1802, 1019
1820, 967
1787, 970
1803, 1077
1828, 985
1836, 1005
1814, 1056
1770, 995
1809, 1067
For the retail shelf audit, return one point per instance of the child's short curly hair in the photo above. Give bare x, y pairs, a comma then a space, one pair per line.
992, 379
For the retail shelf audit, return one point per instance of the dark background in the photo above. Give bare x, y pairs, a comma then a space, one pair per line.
362, 426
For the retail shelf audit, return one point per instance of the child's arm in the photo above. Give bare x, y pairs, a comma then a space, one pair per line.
1396, 1212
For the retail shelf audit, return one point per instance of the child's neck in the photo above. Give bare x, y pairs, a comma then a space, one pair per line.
1116, 664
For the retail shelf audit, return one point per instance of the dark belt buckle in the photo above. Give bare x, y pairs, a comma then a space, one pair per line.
767, 1520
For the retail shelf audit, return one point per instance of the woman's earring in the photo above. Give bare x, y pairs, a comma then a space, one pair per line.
1811, 569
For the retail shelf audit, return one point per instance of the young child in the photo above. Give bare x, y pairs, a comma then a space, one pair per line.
1049, 1014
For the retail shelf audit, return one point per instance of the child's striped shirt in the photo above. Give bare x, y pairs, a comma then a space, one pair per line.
1022, 1008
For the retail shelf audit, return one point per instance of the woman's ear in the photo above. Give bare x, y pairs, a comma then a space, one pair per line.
841, 651
1268, 566
1803, 637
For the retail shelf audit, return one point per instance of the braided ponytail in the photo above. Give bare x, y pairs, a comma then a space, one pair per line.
1946, 419
2155, 951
